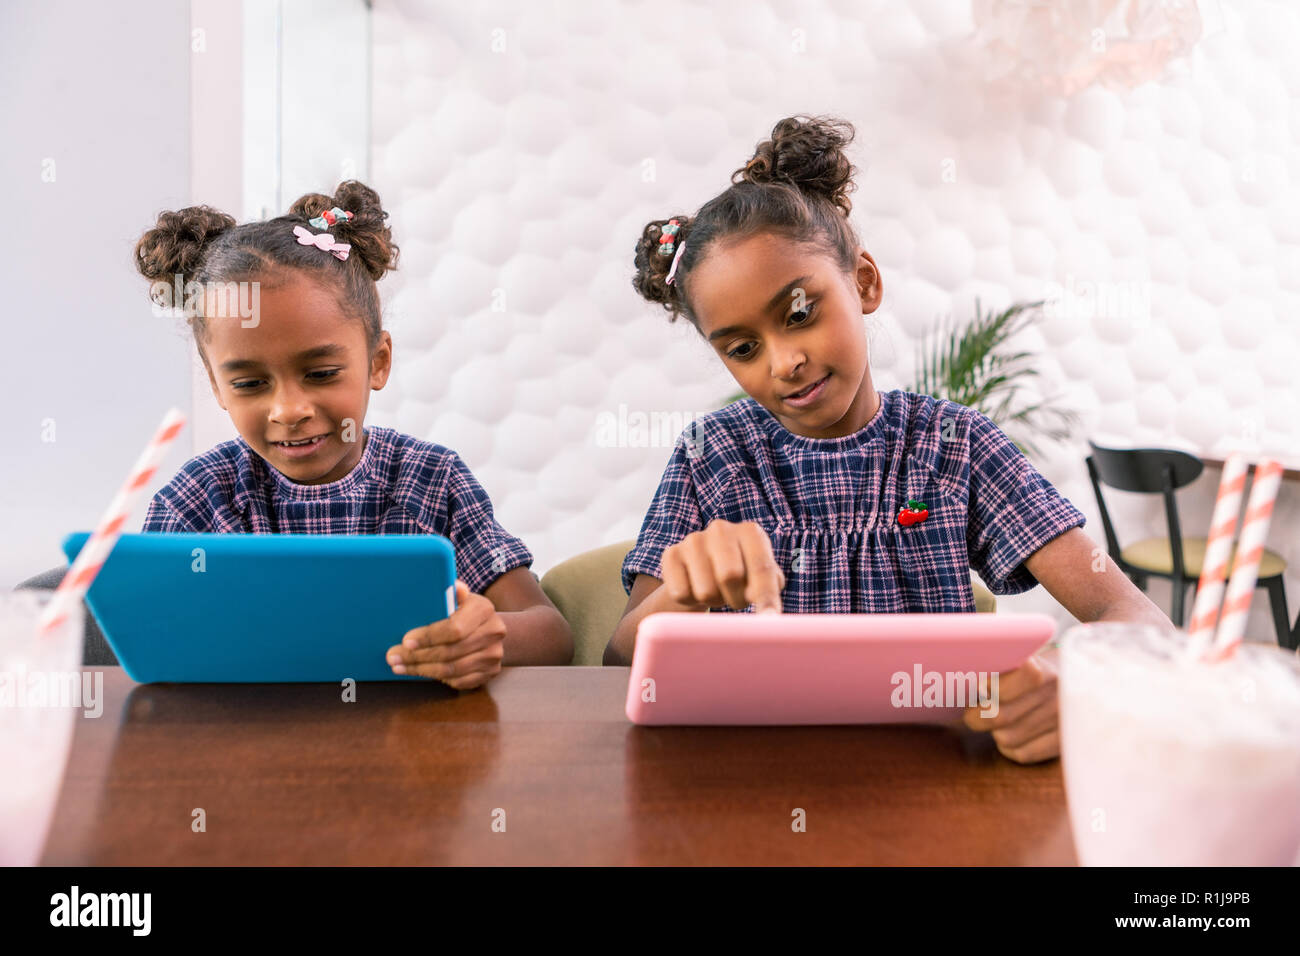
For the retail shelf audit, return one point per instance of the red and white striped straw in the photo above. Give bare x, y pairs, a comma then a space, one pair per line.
1245, 572
94, 553
1218, 549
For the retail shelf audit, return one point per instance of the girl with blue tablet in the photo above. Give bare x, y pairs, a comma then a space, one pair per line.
286, 317
818, 493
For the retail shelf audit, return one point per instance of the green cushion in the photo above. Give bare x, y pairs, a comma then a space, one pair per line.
588, 590
1157, 555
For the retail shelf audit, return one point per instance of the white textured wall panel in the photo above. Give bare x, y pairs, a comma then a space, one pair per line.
521, 148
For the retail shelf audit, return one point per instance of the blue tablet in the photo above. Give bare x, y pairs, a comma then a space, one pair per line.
254, 608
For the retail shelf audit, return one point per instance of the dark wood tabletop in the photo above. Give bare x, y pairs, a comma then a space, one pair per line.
540, 767
1288, 473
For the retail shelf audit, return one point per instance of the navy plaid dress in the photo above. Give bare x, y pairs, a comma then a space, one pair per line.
831, 505
401, 485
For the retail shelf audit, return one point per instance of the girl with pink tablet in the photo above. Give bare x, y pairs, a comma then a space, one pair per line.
819, 493
292, 356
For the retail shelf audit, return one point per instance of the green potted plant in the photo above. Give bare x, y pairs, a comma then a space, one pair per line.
966, 366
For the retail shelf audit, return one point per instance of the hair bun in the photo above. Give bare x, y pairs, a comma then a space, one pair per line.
807, 153
367, 231
178, 241
652, 267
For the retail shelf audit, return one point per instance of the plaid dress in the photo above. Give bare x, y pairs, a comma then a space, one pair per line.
402, 485
831, 505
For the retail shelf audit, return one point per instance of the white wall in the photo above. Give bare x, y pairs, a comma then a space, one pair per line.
226, 103
102, 91
290, 132
522, 148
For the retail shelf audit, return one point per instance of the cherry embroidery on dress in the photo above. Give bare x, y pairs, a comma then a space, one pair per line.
914, 512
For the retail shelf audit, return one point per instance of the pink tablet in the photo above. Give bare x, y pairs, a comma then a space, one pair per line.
825, 668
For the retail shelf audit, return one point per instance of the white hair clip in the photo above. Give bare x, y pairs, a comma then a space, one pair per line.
681, 247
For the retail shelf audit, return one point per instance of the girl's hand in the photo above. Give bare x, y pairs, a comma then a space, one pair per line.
462, 651
1025, 727
725, 564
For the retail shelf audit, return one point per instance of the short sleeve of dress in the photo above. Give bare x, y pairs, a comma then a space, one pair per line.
674, 513
484, 549
163, 518
1014, 510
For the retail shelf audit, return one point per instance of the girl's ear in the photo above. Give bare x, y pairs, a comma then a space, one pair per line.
870, 288
216, 392
381, 363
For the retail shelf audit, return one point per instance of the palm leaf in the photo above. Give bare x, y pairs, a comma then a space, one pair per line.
964, 365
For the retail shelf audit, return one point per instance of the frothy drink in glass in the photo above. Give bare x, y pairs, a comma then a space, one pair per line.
1173, 761
37, 673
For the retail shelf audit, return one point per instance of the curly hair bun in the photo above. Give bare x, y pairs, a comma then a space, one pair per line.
806, 152
652, 267
367, 231
177, 242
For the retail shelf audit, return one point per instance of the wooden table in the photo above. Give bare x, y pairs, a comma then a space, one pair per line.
415, 773
1289, 472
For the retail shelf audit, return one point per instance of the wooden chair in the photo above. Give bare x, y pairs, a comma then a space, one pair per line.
1162, 471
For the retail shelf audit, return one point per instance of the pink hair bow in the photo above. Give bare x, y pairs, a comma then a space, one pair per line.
322, 240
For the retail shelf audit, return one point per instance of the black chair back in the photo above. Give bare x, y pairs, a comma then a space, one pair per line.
1162, 471
95, 650
1145, 471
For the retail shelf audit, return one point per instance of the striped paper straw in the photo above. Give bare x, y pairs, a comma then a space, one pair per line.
1218, 549
94, 553
1241, 589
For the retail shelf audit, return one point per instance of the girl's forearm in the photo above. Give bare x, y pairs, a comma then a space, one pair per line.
536, 636
619, 650
1138, 612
